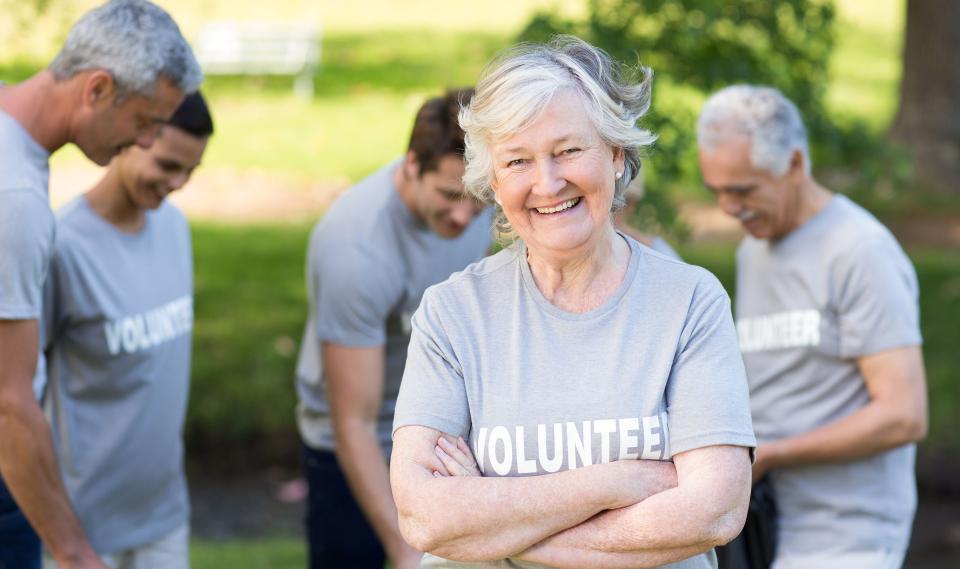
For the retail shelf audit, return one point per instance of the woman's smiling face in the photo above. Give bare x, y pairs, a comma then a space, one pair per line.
555, 179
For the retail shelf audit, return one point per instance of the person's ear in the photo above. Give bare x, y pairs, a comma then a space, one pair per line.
99, 88
619, 159
411, 166
798, 166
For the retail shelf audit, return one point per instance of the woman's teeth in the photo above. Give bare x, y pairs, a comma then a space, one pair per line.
560, 207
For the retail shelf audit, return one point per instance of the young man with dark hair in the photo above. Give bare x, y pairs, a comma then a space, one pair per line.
404, 228
118, 316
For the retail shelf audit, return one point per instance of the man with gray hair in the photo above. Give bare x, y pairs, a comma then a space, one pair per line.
828, 322
121, 73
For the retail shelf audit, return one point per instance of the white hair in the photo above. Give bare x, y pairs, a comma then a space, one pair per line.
770, 120
518, 85
136, 41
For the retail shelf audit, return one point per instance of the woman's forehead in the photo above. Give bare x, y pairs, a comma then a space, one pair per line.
564, 119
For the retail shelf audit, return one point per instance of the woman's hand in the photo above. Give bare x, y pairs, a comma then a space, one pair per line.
456, 458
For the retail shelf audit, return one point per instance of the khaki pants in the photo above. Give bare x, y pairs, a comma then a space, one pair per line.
169, 552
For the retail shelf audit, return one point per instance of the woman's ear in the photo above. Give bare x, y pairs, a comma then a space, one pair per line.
619, 160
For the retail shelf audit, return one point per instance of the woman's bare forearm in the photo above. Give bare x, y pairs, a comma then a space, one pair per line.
474, 518
706, 509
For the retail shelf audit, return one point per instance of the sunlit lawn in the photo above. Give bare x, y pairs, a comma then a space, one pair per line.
270, 553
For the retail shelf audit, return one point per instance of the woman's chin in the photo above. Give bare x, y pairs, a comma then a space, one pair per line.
560, 241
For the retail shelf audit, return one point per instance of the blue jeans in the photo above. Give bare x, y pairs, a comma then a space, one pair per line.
338, 534
19, 544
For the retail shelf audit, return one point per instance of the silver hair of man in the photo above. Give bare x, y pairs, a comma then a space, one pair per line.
136, 41
517, 86
770, 120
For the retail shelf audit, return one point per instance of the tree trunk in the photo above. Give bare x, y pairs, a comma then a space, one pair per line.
928, 120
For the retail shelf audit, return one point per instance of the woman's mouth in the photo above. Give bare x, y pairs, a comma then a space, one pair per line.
563, 206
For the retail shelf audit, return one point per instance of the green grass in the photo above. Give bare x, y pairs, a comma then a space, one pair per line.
270, 553
250, 308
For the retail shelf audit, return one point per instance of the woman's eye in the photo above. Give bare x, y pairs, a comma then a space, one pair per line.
570, 151
516, 162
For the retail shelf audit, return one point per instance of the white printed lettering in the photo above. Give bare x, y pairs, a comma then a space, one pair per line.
550, 464
501, 467
524, 465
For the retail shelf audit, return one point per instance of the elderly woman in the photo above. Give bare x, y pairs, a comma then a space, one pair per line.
598, 384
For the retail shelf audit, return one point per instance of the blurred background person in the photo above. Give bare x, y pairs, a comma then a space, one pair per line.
118, 315
828, 321
599, 384
633, 195
121, 72
380, 245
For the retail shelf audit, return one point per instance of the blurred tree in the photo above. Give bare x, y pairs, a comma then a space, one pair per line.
928, 119
698, 46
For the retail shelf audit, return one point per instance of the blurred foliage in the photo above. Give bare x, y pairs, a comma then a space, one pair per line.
699, 46
250, 304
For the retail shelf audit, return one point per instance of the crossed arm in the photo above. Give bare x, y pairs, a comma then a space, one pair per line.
620, 514
27, 459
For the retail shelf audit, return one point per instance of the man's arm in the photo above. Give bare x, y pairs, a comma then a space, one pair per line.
27, 459
707, 508
896, 415
471, 518
354, 378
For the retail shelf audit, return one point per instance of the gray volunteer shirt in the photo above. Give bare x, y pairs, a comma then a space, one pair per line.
119, 315
653, 372
26, 225
839, 287
368, 263
661, 246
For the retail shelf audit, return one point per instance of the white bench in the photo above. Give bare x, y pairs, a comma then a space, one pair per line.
261, 48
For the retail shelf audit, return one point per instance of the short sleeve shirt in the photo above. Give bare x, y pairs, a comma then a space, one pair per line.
26, 222
838, 288
119, 314
368, 262
653, 372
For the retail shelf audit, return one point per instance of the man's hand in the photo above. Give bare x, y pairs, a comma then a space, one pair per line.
88, 560
29, 463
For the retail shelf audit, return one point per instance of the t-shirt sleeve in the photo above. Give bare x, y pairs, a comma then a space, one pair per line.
707, 395
432, 392
26, 242
877, 300
354, 293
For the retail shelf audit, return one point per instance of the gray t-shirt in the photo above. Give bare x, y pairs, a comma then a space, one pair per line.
661, 246
651, 373
27, 226
838, 288
368, 263
119, 317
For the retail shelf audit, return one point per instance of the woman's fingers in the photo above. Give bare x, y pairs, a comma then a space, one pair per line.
442, 468
457, 457
449, 463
